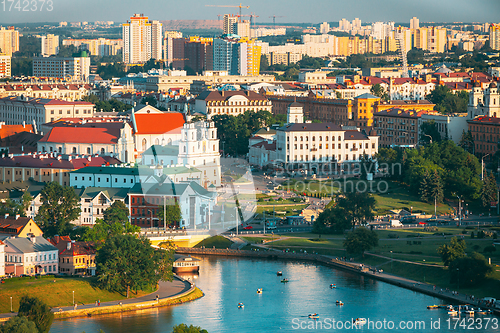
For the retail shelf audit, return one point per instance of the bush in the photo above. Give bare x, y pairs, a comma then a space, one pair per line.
431, 229
480, 234
393, 236
489, 249
260, 200
476, 248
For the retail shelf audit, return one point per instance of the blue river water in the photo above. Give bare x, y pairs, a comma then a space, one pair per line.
285, 307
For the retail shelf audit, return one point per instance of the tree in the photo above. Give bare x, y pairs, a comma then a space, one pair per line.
18, 324
36, 311
13, 208
127, 262
430, 128
60, 206
448, 102
489, 249
489, 189
360, 240
115, 222
467, 142
150, 100
452, 251
367, 165
359, 206
470, 270
183, 328
332, 220
378, 91
264, 64
436, 187
424, 192
173, 213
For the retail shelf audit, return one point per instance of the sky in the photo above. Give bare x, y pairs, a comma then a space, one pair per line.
294, 11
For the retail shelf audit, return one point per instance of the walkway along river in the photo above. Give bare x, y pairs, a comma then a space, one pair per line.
227, 281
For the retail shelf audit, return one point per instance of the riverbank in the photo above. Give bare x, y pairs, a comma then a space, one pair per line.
357, 268
169, 293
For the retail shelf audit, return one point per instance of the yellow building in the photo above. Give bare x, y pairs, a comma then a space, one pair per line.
253, 56
436, 40
420, 38
364, 106
9, 40
495, 36
19, 226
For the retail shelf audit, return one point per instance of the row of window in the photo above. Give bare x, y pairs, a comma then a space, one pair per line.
333, 146
107, 179
15, 258
85, 111
322, 158
74, 150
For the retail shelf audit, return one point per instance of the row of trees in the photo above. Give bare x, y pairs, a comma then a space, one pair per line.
34, 316
234, 132
107, 106
448, 102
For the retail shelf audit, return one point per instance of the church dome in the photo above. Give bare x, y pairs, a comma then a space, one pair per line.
493, 85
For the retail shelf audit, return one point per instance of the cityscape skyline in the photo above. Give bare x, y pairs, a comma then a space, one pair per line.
292, 11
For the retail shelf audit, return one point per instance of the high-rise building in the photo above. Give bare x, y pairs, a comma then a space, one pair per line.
495, 36
420, 38
50, 45
344, 25
242, 29
236, 56
5, 65
142, 39
414, 23
199, 53
168, 45
229, 24
436, 40
99, 47
381, 30
324, 28
9, 40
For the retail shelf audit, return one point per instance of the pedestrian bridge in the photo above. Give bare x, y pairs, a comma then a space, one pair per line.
181, 238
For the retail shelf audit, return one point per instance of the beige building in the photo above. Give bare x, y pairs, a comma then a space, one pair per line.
231, 103
99, 47
65, 92
5, 66
50, 45
19, 110
142, 40
436, 40
9, 40
495, 36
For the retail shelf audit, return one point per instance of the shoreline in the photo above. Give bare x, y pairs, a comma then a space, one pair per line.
192, 293
346, 266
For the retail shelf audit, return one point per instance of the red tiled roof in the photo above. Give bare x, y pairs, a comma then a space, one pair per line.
8, 130
159, 123
82, 135
397, 112
485, 120
224, 95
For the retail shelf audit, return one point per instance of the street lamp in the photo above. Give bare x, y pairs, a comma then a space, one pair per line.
391, 261
11, 304
459, 210
482, 166
73, 297
429, 137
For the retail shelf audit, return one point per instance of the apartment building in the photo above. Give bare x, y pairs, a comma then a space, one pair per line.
16, 110
99, 47
495, 36
75, 258
142, 40
9, 40
397, 127
50, 45
486, 134
66, 92
5, 66
75, 68
30, 255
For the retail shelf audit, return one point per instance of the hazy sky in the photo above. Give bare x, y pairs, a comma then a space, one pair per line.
314, 11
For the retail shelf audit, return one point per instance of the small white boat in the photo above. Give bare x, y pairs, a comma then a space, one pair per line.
453, 312
339, 303
314, 316
469, 311
359, 321
259, 291
333, 286
279, 273
240, 306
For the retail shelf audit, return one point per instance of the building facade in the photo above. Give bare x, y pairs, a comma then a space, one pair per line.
5, 66
230, 102
76, 68
142, 40
30, 255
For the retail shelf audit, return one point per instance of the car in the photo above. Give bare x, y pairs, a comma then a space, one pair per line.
248, 227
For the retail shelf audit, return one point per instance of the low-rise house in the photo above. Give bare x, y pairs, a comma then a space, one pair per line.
30, 255
75, 258
19, 226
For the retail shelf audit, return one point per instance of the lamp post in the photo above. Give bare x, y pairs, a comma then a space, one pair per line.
151, 217
73, 297
429, 137
482, 166
11, 304
391, 261
459, 210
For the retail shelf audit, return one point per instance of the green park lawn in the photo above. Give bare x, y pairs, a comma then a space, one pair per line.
218, 242
289, 209
58, 293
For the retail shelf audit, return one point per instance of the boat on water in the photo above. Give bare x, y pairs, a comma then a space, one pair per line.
453, 312
259, 291
314, 316
183, 264
332, 286
284, 280
240, 306
339, 303
279, 273
359, 321
483, 312
430, 307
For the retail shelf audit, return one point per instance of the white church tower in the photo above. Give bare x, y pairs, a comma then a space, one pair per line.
199, 148
295, 113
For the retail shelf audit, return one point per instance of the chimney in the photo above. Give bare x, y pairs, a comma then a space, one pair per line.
24, 124
33, 239
56, 239
18, 216
68, 245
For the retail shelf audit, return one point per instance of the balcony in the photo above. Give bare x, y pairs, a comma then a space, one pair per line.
314, 149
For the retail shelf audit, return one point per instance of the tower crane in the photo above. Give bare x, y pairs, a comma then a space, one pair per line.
274, 18
239, 6
252, 15
400, 43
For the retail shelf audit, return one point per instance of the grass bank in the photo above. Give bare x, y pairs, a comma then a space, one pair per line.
218, 242
57, 291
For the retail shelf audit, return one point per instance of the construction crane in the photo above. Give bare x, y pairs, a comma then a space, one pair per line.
218, 17
274, 18
240, 6
400, 43
252, 15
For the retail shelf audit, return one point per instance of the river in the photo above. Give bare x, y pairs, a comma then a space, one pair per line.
285, 307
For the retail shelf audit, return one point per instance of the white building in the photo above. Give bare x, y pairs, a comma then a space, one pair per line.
450, 126
77, 68
414, 23
16, 110
5, 66
484, 102
31, 255
230, 102
50, 45
324, 28
142, 40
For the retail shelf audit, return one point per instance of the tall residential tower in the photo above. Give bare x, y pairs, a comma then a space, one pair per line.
142, 40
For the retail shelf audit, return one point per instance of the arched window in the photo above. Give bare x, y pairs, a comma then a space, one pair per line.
60, 149
43, 149
88, 150
74, 150
163, 141
169, 141
184, 148
102, 151
157, 141
144, 143
51, 149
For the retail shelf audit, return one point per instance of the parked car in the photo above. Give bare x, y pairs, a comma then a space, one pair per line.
248, 227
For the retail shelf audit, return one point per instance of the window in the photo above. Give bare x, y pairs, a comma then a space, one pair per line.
88, 150
74, 150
